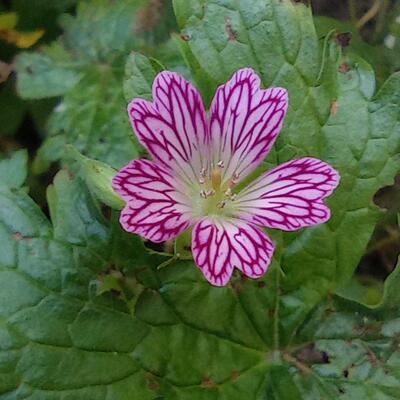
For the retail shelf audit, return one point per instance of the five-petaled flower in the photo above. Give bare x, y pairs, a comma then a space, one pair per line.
199, 161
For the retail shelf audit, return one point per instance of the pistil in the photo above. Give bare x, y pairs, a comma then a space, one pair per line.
217, 196
216, 179
216, 176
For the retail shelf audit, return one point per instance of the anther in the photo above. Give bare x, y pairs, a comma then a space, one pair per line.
234, 180
220, 164
203, 194
203, 177
210, 192
221, 204
229, 195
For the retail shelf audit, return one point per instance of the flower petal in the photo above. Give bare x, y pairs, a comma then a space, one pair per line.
290, 196
245, 121
155, 208
173, 128
219, 246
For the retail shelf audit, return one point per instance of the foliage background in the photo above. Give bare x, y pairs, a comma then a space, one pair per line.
84, 311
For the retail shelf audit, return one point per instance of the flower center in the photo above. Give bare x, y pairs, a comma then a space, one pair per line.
215, 197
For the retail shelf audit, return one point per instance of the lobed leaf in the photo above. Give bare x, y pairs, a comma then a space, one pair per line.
182, 339
333, 115
166, 333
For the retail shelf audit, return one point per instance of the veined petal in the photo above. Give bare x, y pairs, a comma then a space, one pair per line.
290, 196
155, 208
219, 246
245, 121
173, 127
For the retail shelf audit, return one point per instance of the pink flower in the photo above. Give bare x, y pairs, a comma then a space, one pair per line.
199, 161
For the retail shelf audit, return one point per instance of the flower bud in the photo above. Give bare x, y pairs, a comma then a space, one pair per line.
99, 177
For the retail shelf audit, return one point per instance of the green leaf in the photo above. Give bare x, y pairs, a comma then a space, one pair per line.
14, 170
140, 73
354, 354
379, 299
278, 39
333, 115
47, 73
64, 336
75, 219
391, 295
64, 340
174, 336
86, 67
375, 55
171, 56
367, 291
51, 150
383, 299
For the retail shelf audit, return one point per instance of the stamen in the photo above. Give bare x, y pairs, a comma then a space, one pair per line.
234, 180
220, 164
204, 194
221, 204
203, 177
210, 192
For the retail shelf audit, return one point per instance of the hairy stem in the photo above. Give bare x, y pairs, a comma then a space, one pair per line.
298, 364
381, 19
371, 13
353, 11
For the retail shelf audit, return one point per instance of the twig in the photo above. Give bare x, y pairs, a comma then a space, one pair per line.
371, 13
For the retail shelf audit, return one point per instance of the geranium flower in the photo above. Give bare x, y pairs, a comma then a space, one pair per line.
198, 162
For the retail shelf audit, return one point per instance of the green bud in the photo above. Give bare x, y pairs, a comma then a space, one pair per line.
99, 177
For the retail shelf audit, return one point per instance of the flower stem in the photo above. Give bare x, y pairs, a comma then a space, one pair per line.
381, 19
371, 13
292, 360
353, 11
